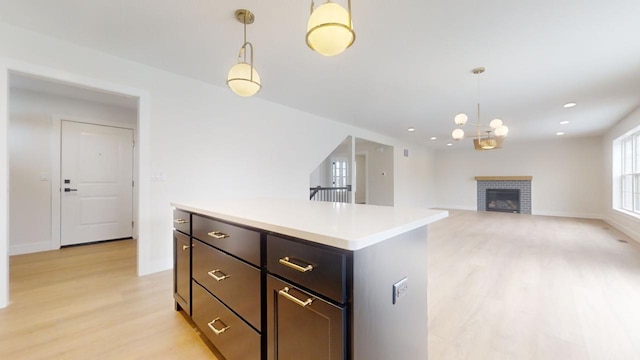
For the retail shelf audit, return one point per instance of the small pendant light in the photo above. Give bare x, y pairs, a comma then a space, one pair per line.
243, 79
330, 29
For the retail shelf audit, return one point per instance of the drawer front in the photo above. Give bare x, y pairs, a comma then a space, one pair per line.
182, 270
234, 282
182, 221
301, 326
235, 240
318, 269
229, 334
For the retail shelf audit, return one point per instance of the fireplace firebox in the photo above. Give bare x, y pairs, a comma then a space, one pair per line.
503, 200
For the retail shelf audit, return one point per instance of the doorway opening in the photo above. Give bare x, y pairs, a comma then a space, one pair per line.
104, 124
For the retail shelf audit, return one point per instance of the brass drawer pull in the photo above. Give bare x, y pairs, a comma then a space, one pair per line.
212, 273
285, 292
218, 235
185, 247
287, 262
181, 221
213, 328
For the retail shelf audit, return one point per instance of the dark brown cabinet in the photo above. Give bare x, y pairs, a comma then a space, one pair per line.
182, 287
261, 295
302, 326
227, 287
182, 260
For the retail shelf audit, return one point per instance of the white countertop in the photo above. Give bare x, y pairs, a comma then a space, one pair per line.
345, 226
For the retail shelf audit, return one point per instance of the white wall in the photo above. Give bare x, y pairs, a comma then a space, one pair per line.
205, 141
567, 174
31, 147
628, 224
414, 181
381, 173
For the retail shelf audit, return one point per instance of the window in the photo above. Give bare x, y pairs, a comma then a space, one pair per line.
339, 173
626, 173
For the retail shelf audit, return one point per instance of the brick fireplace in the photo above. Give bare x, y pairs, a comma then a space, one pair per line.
514, 193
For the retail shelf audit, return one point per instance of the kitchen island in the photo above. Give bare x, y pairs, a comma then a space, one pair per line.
288, 279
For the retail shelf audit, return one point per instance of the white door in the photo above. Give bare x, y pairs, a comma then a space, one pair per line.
96, 183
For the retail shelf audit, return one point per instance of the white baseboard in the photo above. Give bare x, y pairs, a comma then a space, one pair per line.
542, 213
569, 214
29, 248
155, 266
455, 207
635, 235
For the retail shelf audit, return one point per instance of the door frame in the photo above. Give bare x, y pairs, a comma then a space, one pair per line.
56, 163
366, 174
145, 261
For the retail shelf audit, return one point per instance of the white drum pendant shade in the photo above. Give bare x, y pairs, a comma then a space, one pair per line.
241, 81
329, 31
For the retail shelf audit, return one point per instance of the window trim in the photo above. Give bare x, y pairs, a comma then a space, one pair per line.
624, 169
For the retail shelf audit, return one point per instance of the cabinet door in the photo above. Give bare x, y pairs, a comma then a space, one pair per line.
301, 326
182, 271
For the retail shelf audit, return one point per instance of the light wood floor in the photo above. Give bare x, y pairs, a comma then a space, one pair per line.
86, 302
501, 286
504, 286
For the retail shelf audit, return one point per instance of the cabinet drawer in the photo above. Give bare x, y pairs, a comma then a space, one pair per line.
229, 334
313, 267
234, 282
235, 240
182, 221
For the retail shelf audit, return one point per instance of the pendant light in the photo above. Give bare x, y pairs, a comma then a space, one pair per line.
243, 79
330, 29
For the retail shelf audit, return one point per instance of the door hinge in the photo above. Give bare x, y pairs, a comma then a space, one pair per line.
132, 224
133, 143
133, 183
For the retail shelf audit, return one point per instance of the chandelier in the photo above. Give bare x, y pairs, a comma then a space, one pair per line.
487, 137
243, 79
330, 29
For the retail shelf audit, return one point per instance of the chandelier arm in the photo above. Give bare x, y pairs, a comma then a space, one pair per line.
475, 124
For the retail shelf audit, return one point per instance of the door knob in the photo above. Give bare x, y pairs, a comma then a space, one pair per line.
69, 190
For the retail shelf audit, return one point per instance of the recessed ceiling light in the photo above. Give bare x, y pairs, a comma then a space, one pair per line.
569, 104
560, 133
449, 144
411, 129
564, 122
433, 138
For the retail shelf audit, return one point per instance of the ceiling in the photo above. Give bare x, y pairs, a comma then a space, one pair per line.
410, 65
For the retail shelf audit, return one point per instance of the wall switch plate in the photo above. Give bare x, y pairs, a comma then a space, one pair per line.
400, 289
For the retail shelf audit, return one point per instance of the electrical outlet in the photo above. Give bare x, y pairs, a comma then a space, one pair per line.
400, 289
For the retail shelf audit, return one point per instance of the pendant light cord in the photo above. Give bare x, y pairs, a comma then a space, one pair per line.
478, 118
